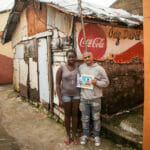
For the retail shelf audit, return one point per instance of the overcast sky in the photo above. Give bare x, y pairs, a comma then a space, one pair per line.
7, 4
105, 3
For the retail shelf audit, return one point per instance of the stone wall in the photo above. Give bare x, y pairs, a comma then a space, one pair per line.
126, 89
132, 6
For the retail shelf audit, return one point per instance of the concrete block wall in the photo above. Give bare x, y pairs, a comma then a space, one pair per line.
126, 89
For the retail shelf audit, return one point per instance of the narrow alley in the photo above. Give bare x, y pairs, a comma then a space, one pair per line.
25, 127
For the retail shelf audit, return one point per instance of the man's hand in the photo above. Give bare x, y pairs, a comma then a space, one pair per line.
93, 81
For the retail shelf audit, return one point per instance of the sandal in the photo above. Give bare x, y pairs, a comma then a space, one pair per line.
76, 141
67, 142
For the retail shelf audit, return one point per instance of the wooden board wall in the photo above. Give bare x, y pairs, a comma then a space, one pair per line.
36, 18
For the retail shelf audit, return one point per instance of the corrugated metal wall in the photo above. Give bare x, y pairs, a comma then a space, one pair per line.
43, 70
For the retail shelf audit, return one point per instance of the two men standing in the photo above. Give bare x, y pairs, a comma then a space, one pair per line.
90, 99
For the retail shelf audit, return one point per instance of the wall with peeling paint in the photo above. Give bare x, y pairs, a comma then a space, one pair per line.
26, 70
121, 53
6, 54
36, 15
20, 30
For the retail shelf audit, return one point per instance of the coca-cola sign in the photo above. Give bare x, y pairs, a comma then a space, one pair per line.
95, 39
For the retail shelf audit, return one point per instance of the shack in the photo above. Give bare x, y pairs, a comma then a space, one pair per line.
42, 31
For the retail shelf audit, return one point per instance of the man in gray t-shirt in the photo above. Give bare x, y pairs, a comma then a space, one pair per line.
90, 99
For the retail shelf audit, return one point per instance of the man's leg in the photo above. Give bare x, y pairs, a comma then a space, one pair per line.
96, 109
85, 116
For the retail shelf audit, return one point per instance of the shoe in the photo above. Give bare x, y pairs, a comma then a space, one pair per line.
76, 141
97, 141
67, 142
83, 139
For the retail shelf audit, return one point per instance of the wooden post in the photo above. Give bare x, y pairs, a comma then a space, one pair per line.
50, 73
146, 125
82, 24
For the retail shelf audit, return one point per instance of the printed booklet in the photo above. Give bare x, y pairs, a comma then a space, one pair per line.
84, 81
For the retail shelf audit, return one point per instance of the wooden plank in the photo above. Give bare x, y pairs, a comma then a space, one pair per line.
146, 126
43, 70
36, 18
50, 73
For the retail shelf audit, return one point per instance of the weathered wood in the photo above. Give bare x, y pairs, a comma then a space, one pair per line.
50, 73
36, 18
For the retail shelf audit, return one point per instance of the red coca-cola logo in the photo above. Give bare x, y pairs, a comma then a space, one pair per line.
95, 38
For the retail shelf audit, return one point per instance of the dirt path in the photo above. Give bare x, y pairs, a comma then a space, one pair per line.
31, 129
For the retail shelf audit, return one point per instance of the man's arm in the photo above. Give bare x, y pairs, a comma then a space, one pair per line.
103, 81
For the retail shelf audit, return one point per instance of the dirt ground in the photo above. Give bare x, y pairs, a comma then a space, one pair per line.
25, 127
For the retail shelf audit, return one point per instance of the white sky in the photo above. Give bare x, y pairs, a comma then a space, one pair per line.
105, 3
8, 4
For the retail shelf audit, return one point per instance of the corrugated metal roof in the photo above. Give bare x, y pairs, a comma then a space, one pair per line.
90, 10
13, 19
96, 11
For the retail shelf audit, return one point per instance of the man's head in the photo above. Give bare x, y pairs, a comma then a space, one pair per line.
88, 57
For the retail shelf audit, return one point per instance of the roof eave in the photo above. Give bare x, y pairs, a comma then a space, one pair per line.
13, 19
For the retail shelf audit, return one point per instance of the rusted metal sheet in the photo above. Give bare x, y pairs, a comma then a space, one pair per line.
33, 80
36, 18
31, 50
51, 14
62, 21
18, 55
16, 74
21, 30
62, 10
43, 70
23, 78
55, 68
33, 74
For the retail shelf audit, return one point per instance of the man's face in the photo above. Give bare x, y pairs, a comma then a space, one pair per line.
88, 58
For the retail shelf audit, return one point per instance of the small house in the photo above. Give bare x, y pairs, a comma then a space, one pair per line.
42, 31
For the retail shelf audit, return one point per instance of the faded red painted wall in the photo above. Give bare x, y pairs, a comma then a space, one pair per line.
121, 52
6, 69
